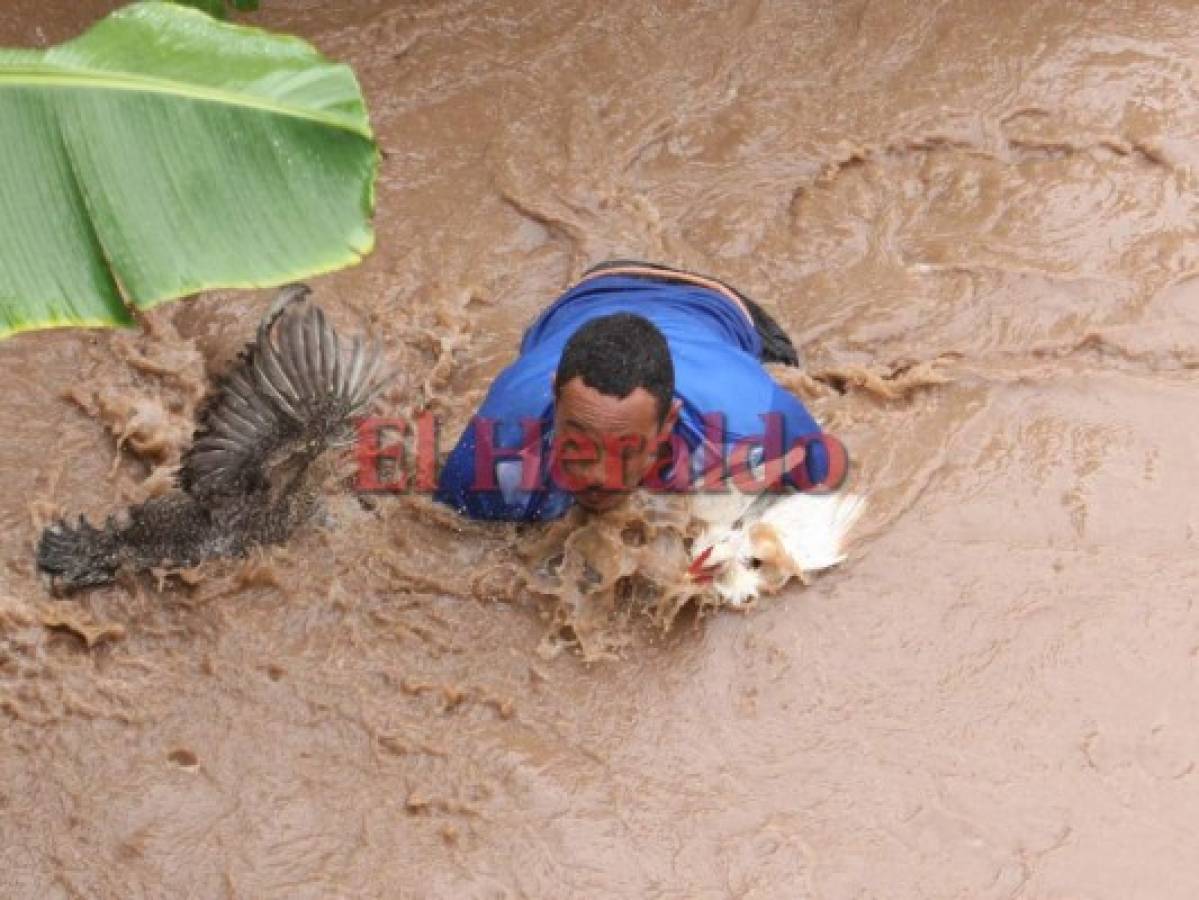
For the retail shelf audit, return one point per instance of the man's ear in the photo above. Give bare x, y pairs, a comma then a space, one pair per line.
672, 416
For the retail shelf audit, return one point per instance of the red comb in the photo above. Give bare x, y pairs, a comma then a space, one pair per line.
698, 570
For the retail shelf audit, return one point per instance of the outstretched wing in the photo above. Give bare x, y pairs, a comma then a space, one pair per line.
292, 393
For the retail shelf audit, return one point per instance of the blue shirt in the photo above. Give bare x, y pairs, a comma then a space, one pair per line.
715, 350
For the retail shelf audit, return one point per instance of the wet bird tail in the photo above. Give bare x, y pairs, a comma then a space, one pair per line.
815, 527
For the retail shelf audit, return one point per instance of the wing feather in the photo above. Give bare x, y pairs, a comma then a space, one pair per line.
293, 389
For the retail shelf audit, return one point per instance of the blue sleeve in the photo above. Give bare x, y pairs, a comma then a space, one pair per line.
798, 423
508, 502
520, 394
455, 487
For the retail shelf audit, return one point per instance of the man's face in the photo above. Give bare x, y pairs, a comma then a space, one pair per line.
604, 446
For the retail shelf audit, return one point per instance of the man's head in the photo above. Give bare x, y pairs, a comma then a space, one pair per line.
614, 401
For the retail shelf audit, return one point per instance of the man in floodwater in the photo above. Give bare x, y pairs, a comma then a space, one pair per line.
638, 376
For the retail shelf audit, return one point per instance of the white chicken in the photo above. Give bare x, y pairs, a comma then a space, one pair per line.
754, 544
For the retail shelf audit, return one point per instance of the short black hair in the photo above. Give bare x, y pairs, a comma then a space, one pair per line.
615, 355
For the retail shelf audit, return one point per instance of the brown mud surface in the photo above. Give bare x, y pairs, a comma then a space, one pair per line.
979, 220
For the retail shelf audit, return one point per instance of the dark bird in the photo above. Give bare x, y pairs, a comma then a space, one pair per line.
248, 477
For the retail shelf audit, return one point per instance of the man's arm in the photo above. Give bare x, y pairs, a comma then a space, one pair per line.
491, 476
496, 470
456, 485
824, 460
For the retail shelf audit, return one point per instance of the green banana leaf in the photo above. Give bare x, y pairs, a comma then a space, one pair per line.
163, 153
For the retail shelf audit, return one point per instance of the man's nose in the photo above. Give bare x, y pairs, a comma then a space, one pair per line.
592, 475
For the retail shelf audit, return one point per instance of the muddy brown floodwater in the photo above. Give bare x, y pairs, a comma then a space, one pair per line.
995, 698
